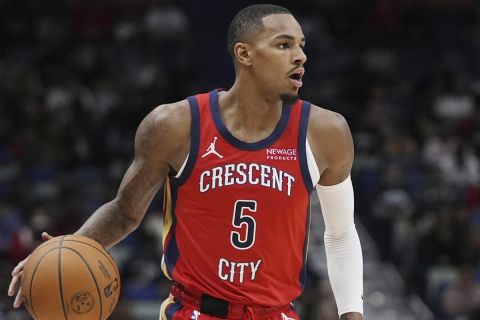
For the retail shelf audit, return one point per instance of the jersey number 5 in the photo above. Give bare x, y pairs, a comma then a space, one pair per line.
241, 219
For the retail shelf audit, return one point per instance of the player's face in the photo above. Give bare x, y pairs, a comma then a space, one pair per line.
278, 55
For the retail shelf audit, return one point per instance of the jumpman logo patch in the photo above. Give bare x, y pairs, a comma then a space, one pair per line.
211, 149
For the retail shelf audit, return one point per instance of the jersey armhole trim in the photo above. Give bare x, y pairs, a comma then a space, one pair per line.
182, 167
189, 162
312, 165
302, 145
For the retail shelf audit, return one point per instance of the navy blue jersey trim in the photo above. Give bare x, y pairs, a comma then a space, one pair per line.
172, 253
302, 142
303, 272
194, 142
247, 146
172, 309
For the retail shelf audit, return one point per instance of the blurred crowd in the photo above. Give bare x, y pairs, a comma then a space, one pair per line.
77, 77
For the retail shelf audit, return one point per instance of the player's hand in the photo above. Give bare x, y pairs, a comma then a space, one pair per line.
17, 277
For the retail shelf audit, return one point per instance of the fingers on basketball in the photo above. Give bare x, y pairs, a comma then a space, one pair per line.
70, 277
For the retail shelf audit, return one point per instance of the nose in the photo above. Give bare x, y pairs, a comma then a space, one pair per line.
300, 57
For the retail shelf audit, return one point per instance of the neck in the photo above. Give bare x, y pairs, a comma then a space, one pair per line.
249, 94
249, 113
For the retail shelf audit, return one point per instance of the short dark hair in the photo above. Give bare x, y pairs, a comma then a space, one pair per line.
250, 19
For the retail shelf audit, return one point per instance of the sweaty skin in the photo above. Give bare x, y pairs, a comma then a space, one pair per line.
250, 110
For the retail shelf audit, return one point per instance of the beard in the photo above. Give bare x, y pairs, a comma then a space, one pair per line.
288, 98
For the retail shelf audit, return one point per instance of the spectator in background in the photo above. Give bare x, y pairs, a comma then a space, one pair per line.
462, 296
76, 76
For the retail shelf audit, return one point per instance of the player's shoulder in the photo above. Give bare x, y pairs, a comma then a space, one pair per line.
330, 138
166, 124
324, 121
171, 114
170, 118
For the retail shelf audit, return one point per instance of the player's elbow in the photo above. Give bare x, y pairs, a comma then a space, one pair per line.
339, 234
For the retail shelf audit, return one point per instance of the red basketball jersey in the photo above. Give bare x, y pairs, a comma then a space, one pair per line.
237, 216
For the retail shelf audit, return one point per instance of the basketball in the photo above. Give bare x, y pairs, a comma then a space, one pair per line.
70, 277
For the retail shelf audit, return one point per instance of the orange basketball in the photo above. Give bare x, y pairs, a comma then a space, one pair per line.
70, 277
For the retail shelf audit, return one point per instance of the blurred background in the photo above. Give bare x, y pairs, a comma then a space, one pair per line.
77, 77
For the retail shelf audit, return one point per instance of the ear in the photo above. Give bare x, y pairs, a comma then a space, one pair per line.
243, 53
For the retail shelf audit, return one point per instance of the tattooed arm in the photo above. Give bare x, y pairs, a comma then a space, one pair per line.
157, 150
161, 143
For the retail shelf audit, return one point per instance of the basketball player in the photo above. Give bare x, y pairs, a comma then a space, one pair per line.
239, 167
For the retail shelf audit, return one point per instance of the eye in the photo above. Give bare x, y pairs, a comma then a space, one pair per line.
283, 46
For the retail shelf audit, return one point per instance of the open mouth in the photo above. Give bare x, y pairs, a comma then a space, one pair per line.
296, 78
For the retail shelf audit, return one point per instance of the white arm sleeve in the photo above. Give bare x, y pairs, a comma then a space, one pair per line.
342, 245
